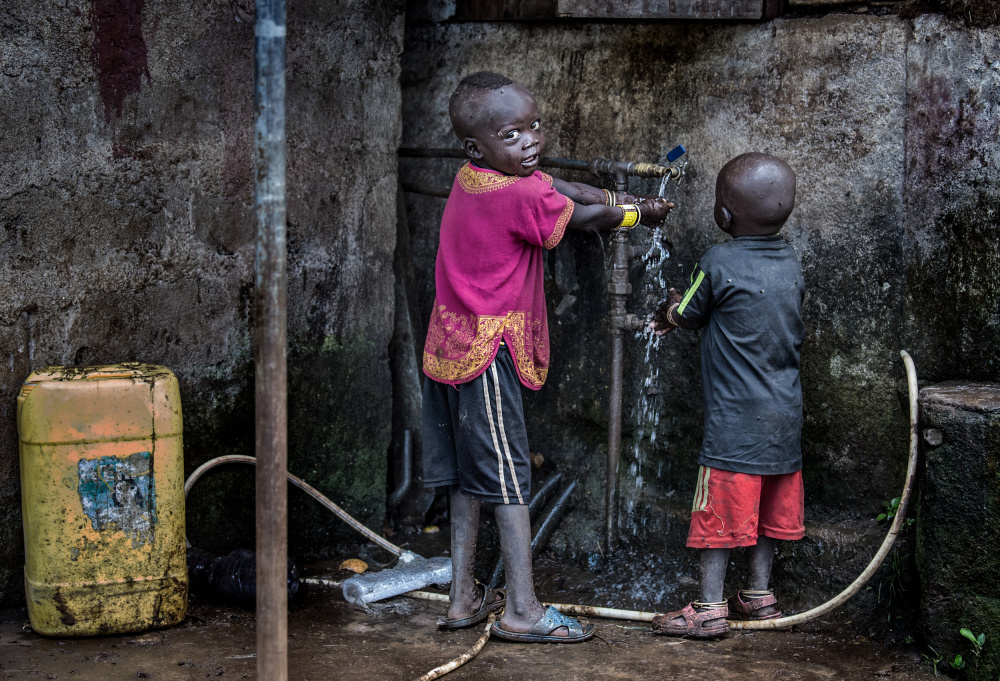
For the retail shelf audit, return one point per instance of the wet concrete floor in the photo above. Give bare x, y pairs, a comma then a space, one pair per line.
330, 639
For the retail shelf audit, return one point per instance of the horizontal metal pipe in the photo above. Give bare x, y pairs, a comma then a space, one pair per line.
418, 188
565, 608
414, 152
548, 162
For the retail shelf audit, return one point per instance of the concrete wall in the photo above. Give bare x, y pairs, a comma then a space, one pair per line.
891, 126
126, 206
957, 526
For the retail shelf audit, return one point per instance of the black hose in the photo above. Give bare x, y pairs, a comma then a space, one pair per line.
551, 521
543, 495
404, 486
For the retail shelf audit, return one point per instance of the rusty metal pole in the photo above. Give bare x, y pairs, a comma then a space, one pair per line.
618, 289
271, 322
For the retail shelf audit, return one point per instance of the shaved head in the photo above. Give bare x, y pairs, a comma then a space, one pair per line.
758, 192
466, 107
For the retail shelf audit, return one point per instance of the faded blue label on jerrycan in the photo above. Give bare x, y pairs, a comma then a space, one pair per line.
119, 494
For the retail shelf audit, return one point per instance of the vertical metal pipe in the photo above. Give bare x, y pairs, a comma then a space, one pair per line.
271, 323
618, 288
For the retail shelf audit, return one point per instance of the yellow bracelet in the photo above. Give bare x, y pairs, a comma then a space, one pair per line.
630, 216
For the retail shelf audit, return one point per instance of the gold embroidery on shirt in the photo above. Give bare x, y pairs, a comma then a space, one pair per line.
477, 182
459, 347
557, 233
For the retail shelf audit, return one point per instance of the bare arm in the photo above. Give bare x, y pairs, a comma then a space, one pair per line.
595, 217
600, 216
593, 213
586, 195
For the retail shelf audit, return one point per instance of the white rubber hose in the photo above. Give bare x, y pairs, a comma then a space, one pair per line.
438, 672
883, 551
304, 486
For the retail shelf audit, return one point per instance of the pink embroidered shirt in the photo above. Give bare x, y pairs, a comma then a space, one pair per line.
489, 275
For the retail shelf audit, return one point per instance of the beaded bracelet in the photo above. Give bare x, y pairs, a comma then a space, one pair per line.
670, 314
630, 216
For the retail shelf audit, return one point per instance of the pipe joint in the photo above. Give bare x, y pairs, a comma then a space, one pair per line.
631, 322
620, 171
619, 288
617, 170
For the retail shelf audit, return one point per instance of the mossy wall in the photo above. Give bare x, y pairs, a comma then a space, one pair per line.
127, 230
891, 126
958, 522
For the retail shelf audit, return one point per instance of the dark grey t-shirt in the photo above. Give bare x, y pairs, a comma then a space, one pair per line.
749, 293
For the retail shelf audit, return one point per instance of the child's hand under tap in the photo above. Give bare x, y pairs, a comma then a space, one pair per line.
653, 210
662, 320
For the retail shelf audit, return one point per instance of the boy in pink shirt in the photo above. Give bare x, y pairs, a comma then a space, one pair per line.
488, 336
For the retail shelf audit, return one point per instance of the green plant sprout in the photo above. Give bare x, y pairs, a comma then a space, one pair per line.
935, 661
893, 581
977, 642
958, 664
891, 508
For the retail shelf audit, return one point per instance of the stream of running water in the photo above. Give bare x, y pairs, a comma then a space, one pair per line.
645, 414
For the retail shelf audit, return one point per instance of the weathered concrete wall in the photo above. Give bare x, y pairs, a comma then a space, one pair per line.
890, 125
126, 205
957, 521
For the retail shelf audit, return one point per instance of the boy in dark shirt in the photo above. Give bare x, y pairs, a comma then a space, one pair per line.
747, 293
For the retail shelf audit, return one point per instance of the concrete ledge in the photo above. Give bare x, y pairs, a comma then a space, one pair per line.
958, 518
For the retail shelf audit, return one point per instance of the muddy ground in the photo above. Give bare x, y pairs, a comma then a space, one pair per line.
330, 639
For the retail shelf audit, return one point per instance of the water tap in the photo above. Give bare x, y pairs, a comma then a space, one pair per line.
620, 171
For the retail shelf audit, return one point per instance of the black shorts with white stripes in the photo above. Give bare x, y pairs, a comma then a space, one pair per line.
474, 435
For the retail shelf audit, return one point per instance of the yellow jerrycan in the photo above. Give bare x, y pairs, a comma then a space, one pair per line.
102, 493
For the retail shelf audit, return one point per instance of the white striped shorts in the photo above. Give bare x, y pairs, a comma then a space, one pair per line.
474, 435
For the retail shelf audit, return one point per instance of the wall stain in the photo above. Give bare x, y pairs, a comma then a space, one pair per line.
119, 54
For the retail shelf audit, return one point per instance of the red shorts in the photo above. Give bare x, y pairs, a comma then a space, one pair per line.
731, 508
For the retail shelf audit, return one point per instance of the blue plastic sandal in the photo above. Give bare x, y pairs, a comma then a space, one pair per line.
541, 631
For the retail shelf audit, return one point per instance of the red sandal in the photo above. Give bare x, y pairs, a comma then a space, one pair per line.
695, 622
746, 608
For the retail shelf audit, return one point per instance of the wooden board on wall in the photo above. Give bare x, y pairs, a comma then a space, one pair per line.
661, 9
504, 10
